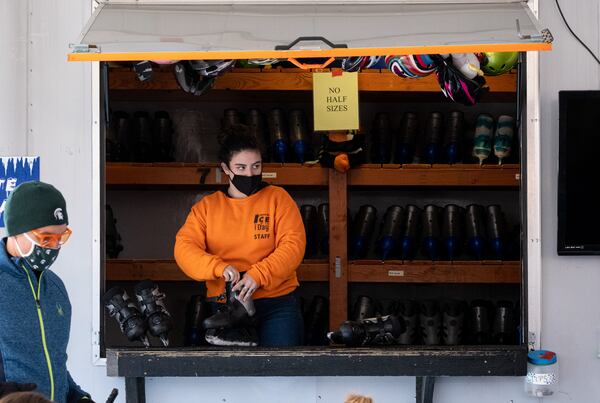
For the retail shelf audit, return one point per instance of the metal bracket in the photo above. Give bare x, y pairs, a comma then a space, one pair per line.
532, 340
203, 174
84, 48
545, 35
338, 267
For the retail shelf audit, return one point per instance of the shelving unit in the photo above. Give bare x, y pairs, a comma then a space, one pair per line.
337, 271
341, 275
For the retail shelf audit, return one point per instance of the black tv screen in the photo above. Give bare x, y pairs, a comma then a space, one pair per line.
578, 173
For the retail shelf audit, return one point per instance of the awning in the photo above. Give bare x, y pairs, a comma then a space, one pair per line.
140, 31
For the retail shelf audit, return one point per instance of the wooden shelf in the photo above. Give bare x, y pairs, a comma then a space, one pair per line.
180, 174
435, 175
363, 271
167, 270
159, 174
463, 272
291, 79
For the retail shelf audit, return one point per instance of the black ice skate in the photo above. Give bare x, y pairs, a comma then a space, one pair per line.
151, 301
198, 309
316, 322
234, 314
408, 311
453, 322
480, 324
381, 330
132, 323
504, 331
364, 307
431, 323
239, 337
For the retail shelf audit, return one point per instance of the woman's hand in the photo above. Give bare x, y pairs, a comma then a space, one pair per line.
246, 287
231, 274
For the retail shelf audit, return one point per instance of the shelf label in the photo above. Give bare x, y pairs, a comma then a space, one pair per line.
518, 177
335, 101
395, 273
269, 175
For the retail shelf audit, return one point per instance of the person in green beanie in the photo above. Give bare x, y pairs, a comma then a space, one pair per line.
35, 311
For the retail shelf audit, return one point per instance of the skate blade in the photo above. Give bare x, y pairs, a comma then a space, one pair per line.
215, 341
144, 339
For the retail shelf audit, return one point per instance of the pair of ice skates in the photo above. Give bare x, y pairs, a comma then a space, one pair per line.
135, 323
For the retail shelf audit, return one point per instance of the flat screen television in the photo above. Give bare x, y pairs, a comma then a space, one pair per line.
579, 173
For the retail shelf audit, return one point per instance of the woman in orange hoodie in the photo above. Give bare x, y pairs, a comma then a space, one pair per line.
251, 235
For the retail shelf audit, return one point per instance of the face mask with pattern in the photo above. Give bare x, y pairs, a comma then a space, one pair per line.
38, 258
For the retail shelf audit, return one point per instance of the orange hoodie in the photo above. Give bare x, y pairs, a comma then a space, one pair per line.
262, 235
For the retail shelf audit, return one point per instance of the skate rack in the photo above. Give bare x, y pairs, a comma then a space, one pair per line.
423, 362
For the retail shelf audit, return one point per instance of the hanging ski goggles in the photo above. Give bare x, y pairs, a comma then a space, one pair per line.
48, 240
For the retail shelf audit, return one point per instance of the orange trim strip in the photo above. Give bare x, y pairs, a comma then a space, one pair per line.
307, 66
285, 54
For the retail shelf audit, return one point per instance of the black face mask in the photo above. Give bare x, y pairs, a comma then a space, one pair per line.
246, 184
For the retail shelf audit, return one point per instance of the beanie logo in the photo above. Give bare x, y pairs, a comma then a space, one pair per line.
58, 214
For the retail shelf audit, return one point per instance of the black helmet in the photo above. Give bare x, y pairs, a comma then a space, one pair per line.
456, 86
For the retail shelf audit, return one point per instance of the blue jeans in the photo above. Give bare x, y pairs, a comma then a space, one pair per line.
280, 322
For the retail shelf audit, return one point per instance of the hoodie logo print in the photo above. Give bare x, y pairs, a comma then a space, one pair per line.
261, 226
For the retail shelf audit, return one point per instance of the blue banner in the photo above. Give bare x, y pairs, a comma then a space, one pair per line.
13, 172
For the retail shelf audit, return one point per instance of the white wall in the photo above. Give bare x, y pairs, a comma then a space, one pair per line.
570, 284
59, 124
13, 111
59, 120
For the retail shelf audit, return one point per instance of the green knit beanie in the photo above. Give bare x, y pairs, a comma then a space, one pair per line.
34, 205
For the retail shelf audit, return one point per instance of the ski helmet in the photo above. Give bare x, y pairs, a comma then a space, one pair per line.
190, 80
376, 62
262, 62
358, 63
496, 63
164, 62
456, 86
410, 66
352, 64
211, 68
467, 63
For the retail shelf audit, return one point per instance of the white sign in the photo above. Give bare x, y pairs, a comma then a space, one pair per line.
13, 172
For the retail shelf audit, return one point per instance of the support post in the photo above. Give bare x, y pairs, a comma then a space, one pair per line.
338, 248
425, 389
135, 390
